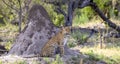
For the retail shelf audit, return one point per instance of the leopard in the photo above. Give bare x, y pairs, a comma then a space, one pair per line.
56, 44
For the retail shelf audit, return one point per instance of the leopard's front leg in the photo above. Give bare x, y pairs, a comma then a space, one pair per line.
61, 50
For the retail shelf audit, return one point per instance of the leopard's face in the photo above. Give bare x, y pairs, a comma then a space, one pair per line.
66, 30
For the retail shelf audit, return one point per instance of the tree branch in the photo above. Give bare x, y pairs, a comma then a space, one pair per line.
107, 21
84, 3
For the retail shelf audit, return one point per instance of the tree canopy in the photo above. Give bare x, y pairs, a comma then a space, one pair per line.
10, 10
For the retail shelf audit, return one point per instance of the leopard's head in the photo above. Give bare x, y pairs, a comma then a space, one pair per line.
66, 30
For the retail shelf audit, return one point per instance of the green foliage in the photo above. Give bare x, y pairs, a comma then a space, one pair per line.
58, 60
82, 16
101, 4
47, 60
20, 62
0, 62
80, 19
8, 33
8, 45
6, 11
57, 19
79, 37
92, 56
108, 7
71, 44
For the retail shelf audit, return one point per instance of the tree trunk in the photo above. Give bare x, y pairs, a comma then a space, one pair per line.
36, 33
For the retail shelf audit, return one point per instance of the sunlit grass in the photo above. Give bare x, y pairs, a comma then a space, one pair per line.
116, 21
108, 52
109, 55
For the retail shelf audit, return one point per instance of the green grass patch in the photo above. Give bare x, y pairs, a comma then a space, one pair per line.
109, 55
79, 37
8, 33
